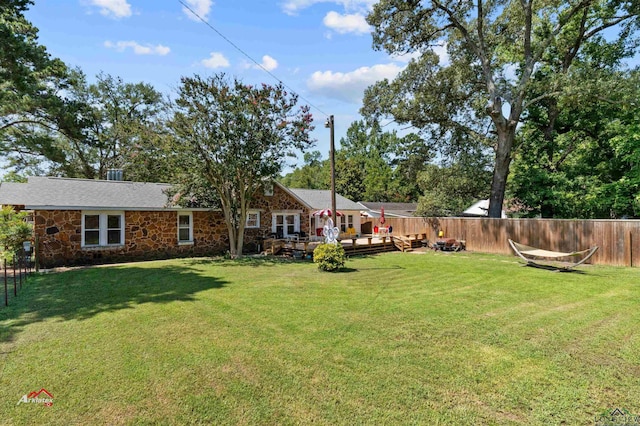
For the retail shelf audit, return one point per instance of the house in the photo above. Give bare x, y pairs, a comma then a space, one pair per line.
390, 209
480, 209
319, 199
81, 221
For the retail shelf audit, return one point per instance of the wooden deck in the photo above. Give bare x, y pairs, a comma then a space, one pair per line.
366, 244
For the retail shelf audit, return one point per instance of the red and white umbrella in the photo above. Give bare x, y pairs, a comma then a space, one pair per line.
326, 212
382, 214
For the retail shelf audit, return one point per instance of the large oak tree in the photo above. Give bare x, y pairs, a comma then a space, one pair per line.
479, 96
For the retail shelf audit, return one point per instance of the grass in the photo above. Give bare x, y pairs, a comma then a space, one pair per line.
398, 338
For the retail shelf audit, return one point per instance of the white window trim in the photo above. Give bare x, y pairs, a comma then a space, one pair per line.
103, 229
246, 224
185, 213
296, 221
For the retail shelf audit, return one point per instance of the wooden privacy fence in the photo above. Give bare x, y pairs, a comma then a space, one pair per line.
619, 240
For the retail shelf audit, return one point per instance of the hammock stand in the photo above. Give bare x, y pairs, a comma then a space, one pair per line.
531, 255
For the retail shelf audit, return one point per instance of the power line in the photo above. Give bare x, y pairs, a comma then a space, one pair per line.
235, 46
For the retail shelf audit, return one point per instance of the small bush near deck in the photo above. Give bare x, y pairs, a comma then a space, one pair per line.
329, 257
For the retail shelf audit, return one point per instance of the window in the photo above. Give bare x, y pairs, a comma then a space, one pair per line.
114, 229
348, 224
285, 223
185, 228
102, 229
253, 220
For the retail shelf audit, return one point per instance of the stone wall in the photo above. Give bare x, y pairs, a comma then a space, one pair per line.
147, 235
153, 234
279, 201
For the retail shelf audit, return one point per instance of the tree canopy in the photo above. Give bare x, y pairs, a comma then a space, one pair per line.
479, 94
579, 153
232, 137
30, 84
371, 165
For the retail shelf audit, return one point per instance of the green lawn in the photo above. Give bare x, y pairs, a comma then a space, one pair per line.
400, 338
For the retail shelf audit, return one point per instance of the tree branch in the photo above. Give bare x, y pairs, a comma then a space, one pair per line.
539, 98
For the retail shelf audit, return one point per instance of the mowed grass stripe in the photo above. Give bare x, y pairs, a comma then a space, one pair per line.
394, 339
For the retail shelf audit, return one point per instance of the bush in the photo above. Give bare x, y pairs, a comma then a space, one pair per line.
329, 257
13, 232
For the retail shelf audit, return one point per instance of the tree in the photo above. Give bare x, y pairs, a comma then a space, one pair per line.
30, 84
449, 189
412, 157
109, 124
232, 137
371, 165
314, 173
578, 152
350, 178
494, 49
377, 165
122, 127
53, 122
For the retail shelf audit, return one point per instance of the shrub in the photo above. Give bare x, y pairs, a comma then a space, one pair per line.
329, 257
13, 232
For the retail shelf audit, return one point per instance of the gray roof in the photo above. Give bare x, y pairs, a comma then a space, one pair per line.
12, 194
390, 209
318, 199
480, 209
74, 194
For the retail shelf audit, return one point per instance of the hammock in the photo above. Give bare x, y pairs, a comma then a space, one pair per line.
531, 254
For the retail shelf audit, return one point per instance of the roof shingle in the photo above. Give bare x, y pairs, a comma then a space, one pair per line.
66, 193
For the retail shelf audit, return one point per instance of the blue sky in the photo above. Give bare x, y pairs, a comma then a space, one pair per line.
319, 48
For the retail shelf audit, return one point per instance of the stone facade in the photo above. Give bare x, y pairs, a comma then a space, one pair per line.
280, 201
147, 235
153, 234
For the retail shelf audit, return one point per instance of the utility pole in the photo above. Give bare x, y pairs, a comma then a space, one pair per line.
332, 160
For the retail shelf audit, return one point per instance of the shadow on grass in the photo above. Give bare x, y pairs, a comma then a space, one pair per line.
82, 294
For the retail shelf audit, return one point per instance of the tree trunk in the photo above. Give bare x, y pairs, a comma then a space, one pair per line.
239, 240
506, 136
235, 230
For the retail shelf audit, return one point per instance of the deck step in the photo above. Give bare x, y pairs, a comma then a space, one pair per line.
402, 243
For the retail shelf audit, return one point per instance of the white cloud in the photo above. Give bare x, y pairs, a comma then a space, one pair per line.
200, 7
215, 60
350, 86
269, 63
113, 8
348, 23
291, 7
138, 48
441, 51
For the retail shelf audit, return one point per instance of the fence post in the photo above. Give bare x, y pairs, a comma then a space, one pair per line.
20, 271
36, 253
628, 244
15, 283
6, 291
